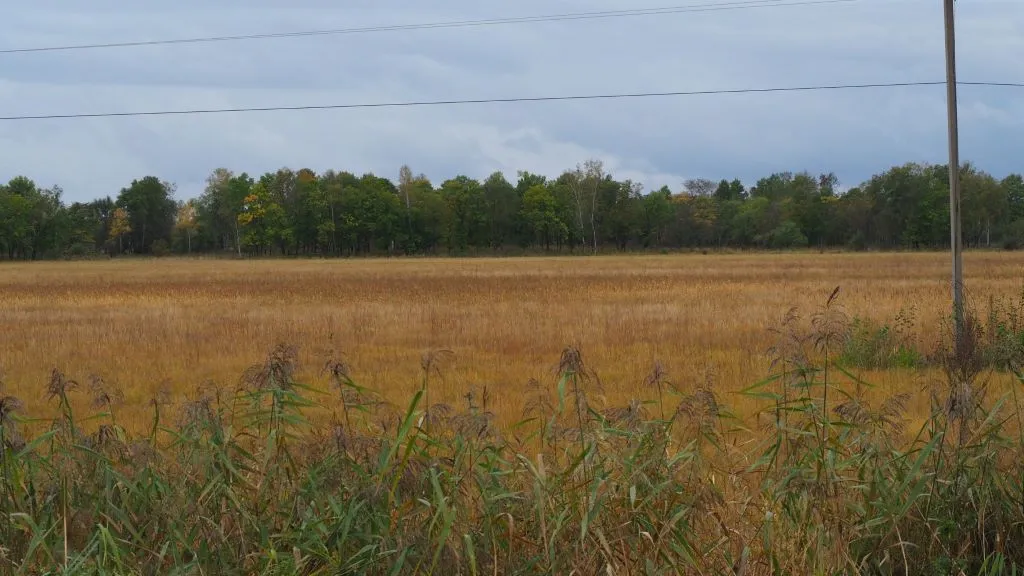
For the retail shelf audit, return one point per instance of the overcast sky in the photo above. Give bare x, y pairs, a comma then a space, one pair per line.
656, 141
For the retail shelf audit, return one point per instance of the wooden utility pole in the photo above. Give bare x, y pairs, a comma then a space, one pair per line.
956, 238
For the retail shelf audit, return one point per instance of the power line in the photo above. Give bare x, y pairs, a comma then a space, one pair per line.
498, 100
681, 9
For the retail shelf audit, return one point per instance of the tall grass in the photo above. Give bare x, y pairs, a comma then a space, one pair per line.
140, 323
276, 477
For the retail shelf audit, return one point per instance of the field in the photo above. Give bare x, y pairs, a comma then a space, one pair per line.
174, 324
151, 422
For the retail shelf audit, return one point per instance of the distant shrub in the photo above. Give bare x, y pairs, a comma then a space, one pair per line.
1014, 236
858, 242
787, 235
160, 248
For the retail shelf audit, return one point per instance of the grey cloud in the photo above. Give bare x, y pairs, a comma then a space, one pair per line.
655, 141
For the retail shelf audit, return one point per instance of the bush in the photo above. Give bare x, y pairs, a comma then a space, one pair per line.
79, 250
1013, 237
787, 235
893, 344
858, 242
873, 346
160, 248
1003, 343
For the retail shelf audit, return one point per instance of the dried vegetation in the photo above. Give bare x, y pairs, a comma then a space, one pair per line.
588, 467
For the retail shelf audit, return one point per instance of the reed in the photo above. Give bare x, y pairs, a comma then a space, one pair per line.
828, 481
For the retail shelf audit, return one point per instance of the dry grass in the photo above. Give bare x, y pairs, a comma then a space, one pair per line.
144, 325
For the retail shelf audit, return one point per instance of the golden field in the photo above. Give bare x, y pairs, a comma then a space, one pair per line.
146, 324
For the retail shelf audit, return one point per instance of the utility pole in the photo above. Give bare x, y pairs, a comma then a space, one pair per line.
956, 238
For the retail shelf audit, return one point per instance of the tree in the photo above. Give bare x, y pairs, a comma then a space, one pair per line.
827, 184
302, 212
774, 187
787, 235
503, 208
425, 215
33, 221
406, 183
468, 225
752, 223
119, 226
622, 209
1013, 187
584, 184
186, 220
88, 226
910, 206
218, 207
730, 191
539, 211
263, 221
15, 222
657, 216
151, 211
700, 187
984, 204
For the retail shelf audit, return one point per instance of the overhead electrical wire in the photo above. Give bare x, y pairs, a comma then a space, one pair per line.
409, 104
634, 12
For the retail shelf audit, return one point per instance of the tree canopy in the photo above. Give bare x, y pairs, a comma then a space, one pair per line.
583, 210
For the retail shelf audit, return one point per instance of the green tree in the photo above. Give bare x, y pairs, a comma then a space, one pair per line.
468, 225
1013, 188
217, 210
540, 212
622, 211
151, 211
88, 226
787, 235
425, 213
503, 209
984, 206
263, 222
774, 188
657, 217
910, 206
15, 223
33, 221
752, 223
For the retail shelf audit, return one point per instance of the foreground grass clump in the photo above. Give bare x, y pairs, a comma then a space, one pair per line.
278, 478
896, 344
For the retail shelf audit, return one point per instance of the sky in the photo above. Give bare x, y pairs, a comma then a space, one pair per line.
654, 141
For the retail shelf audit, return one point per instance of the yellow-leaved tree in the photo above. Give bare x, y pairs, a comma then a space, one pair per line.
186, 220
119, 226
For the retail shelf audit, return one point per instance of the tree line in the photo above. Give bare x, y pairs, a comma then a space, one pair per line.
583, 210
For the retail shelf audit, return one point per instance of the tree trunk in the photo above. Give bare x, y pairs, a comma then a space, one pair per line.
593, 209
334, 231
593, 229
576, 192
